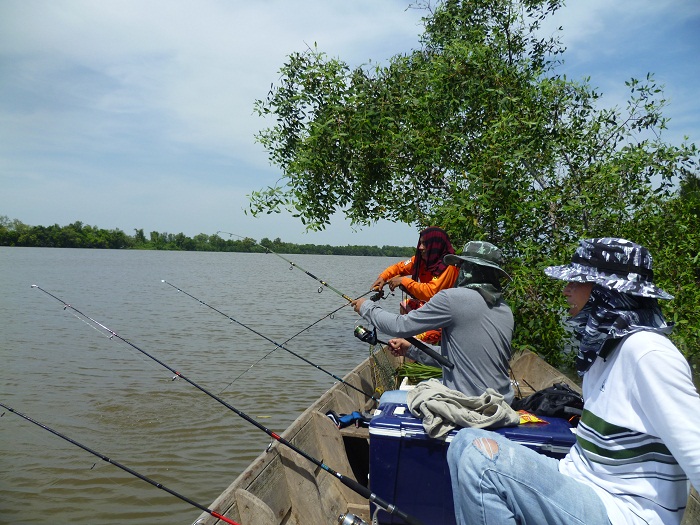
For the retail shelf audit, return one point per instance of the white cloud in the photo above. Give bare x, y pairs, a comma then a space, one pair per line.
614, 41
198, 67
155, 99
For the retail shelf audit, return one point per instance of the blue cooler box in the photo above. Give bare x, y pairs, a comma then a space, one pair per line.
409, 469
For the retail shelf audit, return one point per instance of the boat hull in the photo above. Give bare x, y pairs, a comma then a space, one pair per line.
282, 488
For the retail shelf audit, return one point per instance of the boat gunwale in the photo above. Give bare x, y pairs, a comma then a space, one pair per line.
338, 397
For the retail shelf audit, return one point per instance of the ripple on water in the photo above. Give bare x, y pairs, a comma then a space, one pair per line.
109, 396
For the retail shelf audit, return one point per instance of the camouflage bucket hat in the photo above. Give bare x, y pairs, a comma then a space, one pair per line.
615, 264
478, 252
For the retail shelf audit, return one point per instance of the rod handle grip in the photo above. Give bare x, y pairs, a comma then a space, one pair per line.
365, 492
432, 353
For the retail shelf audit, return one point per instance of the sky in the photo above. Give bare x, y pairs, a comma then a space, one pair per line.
139, 114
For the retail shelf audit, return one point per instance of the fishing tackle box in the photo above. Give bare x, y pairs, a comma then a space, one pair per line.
409, 469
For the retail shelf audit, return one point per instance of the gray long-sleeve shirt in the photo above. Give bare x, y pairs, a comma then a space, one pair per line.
475, 337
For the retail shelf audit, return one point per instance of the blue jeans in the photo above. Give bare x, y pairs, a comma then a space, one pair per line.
498, 481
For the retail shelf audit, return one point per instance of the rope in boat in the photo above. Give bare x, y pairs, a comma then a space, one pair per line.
348, 482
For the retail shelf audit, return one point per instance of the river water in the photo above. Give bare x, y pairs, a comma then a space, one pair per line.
59, 369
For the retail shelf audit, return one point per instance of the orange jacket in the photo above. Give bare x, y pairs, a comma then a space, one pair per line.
427, 285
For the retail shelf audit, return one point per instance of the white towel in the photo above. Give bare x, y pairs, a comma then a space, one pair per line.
443, 409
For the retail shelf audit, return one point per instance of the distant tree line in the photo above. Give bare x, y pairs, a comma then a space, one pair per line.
78, 235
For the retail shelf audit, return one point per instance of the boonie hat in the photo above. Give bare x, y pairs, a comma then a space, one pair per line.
478, 252
615, 264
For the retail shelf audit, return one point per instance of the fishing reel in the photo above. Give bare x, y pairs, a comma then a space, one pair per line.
379, 294
350, 519
365, 335
376, 296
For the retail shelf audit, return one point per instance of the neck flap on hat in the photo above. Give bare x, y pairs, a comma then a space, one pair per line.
480, 279
437, 245
610, 315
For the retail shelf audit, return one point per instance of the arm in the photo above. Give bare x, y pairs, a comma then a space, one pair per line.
425, 291
421, 357
664, 389
439, 315
398, 269
434, 314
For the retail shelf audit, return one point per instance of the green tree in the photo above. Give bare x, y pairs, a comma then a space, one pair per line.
672, 232
477, 132
156, 241
8, 233
77, 235
139, 237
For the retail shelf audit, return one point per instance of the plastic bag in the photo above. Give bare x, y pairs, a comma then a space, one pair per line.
559, 400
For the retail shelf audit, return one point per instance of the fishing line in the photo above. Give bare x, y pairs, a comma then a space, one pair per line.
277, 347
378, 295
271, 341
96, 327
121, 466
294, 265
348, 482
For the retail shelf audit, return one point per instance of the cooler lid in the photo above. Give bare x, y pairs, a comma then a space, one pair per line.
557, 433
396, 420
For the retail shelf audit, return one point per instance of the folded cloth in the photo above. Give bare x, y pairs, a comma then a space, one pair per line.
443, 409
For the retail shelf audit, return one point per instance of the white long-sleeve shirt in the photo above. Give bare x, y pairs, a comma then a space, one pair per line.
638, 442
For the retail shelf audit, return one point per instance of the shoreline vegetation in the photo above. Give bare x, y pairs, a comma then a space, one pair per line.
78, 235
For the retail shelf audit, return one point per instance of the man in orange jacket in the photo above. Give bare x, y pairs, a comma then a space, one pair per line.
424, 274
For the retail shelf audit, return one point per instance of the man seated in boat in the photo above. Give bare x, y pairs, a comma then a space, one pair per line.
477, 324
637, 440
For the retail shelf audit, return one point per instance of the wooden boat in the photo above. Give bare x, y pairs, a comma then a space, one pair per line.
282, 488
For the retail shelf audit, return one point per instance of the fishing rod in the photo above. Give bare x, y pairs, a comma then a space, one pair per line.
278, 345
294, 265
348, 482
284, 343
370, 336
121, 466
378, 295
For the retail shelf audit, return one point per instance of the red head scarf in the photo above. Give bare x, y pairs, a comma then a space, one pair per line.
437, 245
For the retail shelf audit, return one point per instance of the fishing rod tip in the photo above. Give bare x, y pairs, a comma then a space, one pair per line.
35, 286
